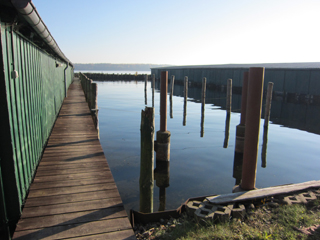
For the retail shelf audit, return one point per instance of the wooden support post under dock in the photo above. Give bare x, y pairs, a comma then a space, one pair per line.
73, 194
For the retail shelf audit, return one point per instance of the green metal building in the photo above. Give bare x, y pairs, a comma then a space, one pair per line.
34, 79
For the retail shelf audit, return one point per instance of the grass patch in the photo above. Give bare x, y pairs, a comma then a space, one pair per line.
283, 222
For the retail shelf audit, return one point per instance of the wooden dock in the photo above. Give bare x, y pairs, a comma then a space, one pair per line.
74, 194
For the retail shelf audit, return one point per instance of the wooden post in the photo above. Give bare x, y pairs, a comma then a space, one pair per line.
240, 130
254, 103
203, 103
163, 100
145, 88
185, 101
268, 104
171, 95
172, 85
147, 160
229, 95
153, 87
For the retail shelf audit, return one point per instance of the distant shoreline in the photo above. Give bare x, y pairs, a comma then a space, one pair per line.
115, 67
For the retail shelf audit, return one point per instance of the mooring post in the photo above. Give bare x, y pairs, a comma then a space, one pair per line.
251, 141
162, 145
147, 160
268, 104
266, 125
171, 95
185, 101
240, 130
153, 87
203, 103
229, 95
145, 88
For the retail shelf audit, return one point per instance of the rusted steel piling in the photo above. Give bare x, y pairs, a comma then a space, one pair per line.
147, 160
254, 103
145, 89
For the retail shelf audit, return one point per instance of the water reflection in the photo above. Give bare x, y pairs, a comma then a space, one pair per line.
264, 147
162, 177
227, 130
285, 111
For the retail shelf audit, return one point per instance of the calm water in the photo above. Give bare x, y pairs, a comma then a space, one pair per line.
200, 165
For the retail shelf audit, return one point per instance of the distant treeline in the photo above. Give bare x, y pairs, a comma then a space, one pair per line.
115, 67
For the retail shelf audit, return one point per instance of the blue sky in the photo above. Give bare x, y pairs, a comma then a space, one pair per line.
184, 32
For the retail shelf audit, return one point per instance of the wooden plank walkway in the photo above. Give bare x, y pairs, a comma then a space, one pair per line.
74, 194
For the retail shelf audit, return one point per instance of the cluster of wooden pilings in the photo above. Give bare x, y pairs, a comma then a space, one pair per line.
120, 77
162, 148
247, 132
90, 90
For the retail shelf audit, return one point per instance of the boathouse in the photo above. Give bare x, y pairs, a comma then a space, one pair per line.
34, 78
299, 79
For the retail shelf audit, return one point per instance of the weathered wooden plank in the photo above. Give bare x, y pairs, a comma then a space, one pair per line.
73, 230
71, 218
72, 176
70, 183
73, 194
69, 190
262, 193
70, 207
75, 197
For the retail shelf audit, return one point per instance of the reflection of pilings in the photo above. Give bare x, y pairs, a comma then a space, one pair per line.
250, 153
171, 95
203, 103
147, 160
145, 88
240, 130
229, 95
268, 104
153, 87
185, 101
264, 147
227, 130
162, 177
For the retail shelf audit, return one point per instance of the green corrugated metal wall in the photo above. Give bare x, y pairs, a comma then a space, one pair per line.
288, 80
29, 107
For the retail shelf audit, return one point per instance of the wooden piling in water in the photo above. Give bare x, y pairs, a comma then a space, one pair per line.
240, 130
145, 89
203, 103
268, 104
147, 160
185, 101
163, 100
153, 87
229, 95
254, 103
171, 95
